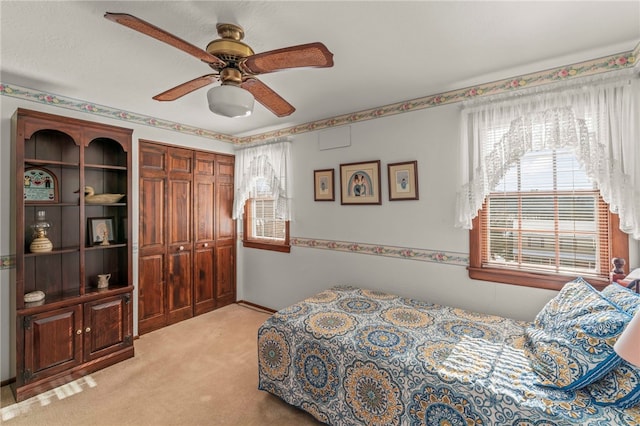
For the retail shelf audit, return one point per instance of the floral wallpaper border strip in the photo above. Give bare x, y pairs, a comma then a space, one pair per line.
581, 69
424, 255
7, 262
27, 94
554, 75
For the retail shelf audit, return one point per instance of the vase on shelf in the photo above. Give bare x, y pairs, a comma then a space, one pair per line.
40, 227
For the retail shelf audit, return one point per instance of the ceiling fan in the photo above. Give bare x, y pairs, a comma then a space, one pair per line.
235, 65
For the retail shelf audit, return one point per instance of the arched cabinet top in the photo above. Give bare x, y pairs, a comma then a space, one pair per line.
81, 131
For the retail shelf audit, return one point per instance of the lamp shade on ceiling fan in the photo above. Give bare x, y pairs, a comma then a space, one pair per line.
230, 101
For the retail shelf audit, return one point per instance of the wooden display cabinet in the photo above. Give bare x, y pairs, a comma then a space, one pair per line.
78, 328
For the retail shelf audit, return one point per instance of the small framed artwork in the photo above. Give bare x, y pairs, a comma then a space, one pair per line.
323, 189
360, 183
101, 230
403, 181
40, 186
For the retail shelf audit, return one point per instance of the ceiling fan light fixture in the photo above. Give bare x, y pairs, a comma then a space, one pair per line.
230, 101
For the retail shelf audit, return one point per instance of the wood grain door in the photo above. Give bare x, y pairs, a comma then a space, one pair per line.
225, 286
152, 240
106, 326
204, 232
53, 342
179, 234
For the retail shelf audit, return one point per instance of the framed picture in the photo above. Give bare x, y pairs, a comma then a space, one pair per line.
323, 189
40, 186
101, 230
403, 181
360, 183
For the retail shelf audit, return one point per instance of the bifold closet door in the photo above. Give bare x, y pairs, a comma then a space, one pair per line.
152, 242
187, 237
180, 240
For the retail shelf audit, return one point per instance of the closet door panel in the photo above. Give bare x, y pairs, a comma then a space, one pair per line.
151, 293
180, 240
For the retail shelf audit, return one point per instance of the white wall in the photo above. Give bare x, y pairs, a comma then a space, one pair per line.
7, 108
430, 136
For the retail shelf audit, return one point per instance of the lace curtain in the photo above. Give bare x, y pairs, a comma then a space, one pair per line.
264, 171
599, 121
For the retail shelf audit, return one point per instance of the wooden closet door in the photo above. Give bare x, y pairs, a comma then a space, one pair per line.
180, 240
204, 232
225, 256
152, 251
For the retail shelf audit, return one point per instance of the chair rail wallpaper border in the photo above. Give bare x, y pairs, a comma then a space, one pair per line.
408, 253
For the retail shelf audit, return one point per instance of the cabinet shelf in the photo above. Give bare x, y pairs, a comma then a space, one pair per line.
110, 246
36, 162
104, 167
67, 299
61, 250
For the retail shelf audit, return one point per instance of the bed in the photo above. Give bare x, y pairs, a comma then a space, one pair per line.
352, 356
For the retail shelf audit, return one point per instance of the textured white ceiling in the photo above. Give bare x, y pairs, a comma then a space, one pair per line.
384, 51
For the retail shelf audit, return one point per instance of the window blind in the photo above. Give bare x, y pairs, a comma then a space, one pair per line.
265, 224
546, 215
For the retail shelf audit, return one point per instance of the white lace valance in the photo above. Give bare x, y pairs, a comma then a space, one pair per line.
600, 122
264, 171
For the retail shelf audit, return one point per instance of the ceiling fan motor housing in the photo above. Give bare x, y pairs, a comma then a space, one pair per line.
229, 48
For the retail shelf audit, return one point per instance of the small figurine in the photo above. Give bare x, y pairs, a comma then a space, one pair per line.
618, 264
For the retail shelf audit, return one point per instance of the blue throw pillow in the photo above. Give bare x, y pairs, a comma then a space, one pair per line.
570, 343
621, 386
628, 300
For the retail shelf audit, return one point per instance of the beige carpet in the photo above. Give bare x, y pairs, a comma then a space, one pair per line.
202, 371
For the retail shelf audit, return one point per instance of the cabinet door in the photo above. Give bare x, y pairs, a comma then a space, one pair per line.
52, 342
204, 209
107, 326
180, 244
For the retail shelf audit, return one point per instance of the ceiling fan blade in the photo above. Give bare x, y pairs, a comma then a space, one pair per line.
267, 97
188, 87
304, 55
160, 34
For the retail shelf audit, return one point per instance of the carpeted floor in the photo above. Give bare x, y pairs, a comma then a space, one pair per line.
202, 371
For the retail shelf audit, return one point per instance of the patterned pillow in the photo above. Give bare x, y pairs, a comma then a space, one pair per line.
570, 343
623, 297
621, 386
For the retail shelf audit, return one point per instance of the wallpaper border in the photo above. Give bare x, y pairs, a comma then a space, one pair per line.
591, 67
408, 253
7, 262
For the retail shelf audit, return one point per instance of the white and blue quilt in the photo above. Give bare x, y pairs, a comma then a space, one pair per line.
352, 356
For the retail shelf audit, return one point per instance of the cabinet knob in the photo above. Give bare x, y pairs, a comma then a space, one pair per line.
88, 329
78, 331
206, 244
181, 248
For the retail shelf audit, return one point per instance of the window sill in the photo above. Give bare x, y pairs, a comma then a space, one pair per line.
530, 279
283, 248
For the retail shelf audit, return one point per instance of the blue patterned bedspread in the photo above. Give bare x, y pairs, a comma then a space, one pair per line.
354, 356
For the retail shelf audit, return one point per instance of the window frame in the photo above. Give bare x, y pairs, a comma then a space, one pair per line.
618, 247
261, 243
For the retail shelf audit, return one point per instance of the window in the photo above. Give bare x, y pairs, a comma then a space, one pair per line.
262, 229
263, 195
543, 224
